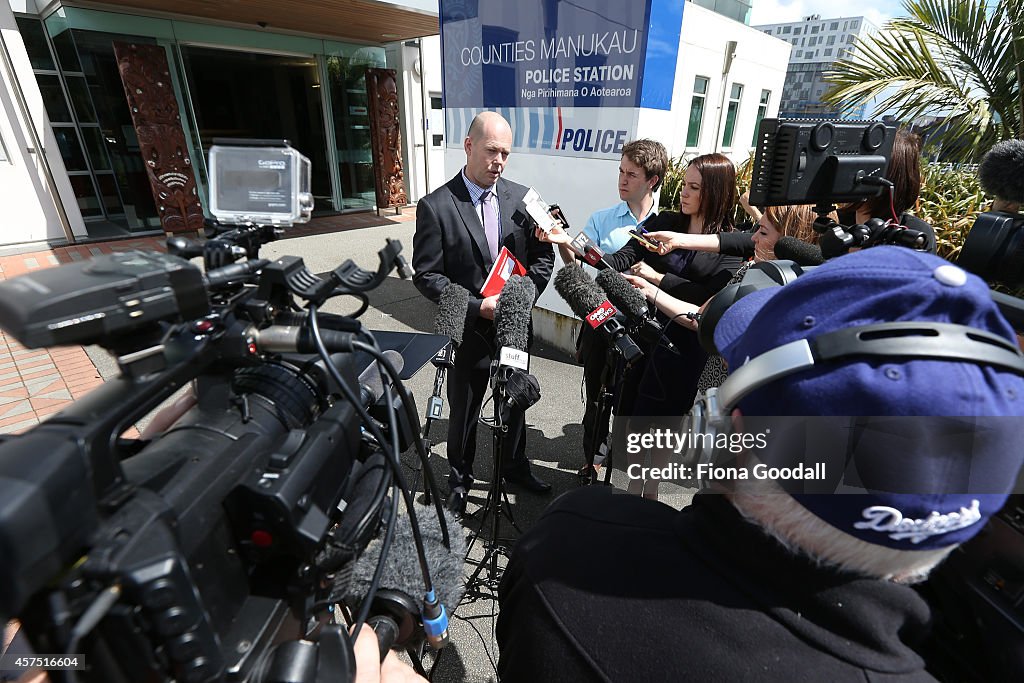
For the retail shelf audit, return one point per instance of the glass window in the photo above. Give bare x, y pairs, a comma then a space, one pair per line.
117, 147
787, 29
108, 193
436, 102
799, 53
828, 52
64, 46
35, 43
735, 93
855, 24
95, 148
762, 111
797, 30
833, 26
79, 93
831, 40
53, 98
700, 91
70, 148
85, 193
814, 29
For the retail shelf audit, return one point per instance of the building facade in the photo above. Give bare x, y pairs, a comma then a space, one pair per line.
71, 168
816, 44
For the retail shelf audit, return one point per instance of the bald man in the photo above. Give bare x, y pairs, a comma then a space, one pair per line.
460, 228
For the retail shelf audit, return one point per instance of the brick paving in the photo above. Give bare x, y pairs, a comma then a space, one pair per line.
35, 383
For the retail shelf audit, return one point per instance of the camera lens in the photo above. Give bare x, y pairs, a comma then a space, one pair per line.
994, 249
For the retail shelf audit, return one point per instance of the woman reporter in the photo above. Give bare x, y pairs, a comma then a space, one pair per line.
776, 222
668, 381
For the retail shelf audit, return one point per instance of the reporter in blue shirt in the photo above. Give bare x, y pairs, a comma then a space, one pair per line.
641, 171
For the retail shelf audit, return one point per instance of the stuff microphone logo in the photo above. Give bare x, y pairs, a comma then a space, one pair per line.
599, 315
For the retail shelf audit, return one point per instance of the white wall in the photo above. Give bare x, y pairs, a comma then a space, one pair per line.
29, 208
760, 62
418, 70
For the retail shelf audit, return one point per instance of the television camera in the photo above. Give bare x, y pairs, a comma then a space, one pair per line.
225, 546
800, 161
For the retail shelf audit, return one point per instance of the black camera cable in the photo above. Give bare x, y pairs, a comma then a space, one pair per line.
435, 619
407, 403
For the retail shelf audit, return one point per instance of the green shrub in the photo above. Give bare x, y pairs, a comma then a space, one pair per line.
951, 199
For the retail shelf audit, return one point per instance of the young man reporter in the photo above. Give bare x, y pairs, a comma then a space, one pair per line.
460, 230
641, 172
770, 583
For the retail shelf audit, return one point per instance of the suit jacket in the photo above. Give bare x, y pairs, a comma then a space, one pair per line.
450, 244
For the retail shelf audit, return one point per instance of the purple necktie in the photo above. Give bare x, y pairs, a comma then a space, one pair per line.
491, 221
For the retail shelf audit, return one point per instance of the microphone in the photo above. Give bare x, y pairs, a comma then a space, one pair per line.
632, 303
512, 322
450, 322
401, 581
1001, 171
800, 252
451, 319
371, 388
588, 302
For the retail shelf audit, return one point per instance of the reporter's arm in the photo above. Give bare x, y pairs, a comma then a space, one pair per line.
665, 302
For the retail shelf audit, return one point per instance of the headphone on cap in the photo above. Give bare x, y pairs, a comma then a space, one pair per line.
711, 416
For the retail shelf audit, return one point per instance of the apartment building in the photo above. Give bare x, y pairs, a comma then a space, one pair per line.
816, 44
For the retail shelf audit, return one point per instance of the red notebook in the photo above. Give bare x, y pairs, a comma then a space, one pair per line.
505, 266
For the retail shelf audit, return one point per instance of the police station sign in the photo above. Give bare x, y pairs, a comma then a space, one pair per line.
568, 76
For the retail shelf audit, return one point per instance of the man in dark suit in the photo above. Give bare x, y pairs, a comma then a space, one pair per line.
460, 228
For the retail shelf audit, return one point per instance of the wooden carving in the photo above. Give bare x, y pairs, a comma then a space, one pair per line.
385, 138
147, 84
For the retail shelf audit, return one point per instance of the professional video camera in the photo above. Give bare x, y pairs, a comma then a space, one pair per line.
223, 547
823, 162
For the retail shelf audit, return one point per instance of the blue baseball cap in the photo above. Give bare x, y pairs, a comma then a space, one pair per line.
920, 505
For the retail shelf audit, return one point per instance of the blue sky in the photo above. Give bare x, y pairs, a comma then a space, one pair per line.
778, 11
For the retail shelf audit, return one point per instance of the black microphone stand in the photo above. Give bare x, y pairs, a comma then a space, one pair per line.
497, 503
443, 361
607, 399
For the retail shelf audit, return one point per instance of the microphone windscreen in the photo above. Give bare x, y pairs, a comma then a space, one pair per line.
451, 312
623, 295
402, 567
370, 384
1001, 171
581, 293
800, 252
512, 313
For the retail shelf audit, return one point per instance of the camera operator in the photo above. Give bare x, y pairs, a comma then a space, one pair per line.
460, 230
893, 203
762, 584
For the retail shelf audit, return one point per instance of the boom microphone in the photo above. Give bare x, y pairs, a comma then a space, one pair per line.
1001, 171
800, 252
371, 387
587, 301
401, 584
632, 303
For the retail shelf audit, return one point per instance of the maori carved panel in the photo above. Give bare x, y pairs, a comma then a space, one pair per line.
386, 138
147, 84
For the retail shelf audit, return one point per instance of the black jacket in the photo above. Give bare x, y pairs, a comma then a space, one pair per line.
450, 244
610, 587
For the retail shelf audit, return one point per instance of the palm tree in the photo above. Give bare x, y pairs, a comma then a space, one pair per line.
960, 59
